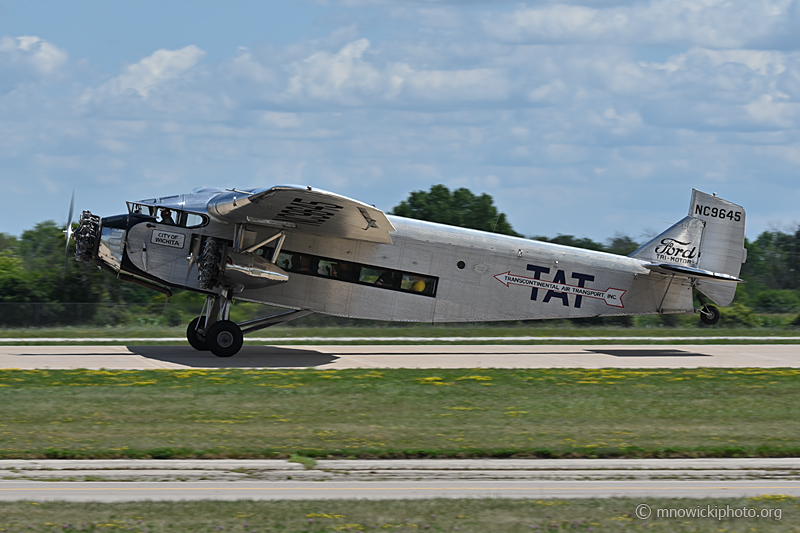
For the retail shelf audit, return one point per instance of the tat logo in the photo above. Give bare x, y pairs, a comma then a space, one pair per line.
559, 289
676, 251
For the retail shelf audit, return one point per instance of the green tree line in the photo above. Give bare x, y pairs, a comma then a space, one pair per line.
34, 269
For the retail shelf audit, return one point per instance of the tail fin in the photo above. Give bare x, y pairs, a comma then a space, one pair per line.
709, 242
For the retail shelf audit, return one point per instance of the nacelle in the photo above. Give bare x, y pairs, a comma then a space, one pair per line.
251, 271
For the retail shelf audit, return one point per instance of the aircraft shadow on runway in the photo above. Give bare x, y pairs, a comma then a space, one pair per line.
655, 352
248, 357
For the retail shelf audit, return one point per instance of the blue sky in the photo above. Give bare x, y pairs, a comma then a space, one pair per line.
590, 118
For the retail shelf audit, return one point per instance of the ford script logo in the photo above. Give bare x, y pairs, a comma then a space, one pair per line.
676, 251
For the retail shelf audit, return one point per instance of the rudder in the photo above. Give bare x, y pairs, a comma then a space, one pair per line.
722, 249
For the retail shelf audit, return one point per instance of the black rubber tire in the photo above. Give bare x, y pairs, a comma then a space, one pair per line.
709, 315
197, 341
224, 338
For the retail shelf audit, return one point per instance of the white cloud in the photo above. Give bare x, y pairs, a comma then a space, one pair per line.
737, 90
153, 71
31, 52
708, 23
760, 62
28, 59
281, 120
244, 66
342, 76
347, 77
479, 84
776, 115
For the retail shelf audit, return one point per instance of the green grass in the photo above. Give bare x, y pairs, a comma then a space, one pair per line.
307, 462
464, 516
284, 334
400, 413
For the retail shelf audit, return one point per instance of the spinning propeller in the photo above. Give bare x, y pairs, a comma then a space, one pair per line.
68, 233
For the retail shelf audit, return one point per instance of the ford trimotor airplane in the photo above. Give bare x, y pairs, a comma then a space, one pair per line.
312, 251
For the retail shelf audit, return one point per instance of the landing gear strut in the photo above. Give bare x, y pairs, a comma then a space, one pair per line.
709, 314
213, 330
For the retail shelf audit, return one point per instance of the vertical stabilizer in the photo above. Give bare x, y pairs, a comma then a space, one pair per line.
679, 245
722, 249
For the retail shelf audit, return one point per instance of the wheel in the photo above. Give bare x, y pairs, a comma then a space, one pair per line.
196, 339
709, 315
224, 338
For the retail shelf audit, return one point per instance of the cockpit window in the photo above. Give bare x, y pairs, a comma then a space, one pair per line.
165, 216
168, 216
194, 220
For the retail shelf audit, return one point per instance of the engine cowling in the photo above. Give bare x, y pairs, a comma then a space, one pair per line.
237, 270
251, 271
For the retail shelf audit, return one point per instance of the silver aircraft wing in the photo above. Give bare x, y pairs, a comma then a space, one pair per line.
690, 272
303, 209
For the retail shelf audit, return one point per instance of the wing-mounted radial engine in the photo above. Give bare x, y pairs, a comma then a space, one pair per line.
234, 270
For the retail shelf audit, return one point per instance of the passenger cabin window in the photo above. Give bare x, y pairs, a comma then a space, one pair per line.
170, 217
385, 278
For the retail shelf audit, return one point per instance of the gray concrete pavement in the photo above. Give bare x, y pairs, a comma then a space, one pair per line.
403, 470
309, 490
408, 356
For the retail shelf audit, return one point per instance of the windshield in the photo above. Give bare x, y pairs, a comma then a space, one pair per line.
170, 217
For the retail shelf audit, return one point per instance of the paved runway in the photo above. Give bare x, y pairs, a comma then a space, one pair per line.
172, 491
408, 356
124, 480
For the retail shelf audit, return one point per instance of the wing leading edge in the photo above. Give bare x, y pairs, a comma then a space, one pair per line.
303, 209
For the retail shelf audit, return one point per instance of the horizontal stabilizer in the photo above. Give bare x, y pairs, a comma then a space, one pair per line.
691, 272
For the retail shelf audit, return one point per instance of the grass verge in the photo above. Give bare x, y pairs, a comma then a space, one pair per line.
465, 516
307, 462
249, 413
542, 330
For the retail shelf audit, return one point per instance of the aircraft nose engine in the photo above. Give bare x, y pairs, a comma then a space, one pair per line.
86, 236
101, 241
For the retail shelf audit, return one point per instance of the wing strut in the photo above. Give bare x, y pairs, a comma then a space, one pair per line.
661, 305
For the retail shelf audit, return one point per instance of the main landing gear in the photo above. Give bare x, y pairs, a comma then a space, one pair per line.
214, 331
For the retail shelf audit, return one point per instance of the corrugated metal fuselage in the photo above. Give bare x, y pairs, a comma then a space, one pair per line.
481, 276
503, 278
